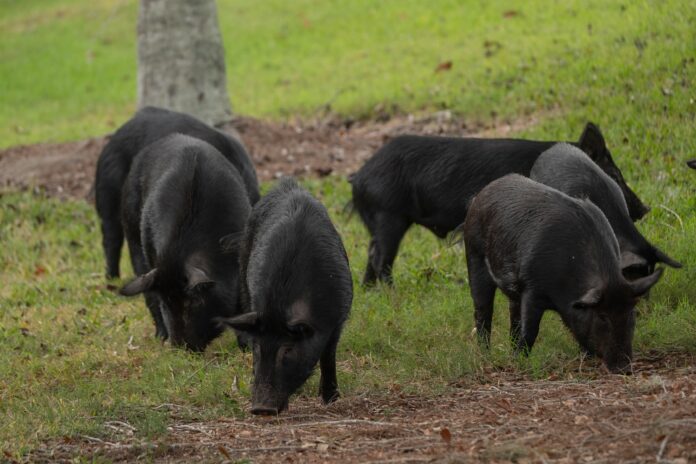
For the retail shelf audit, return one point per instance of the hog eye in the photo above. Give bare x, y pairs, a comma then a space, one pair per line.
285, 351
603, 317
300, 330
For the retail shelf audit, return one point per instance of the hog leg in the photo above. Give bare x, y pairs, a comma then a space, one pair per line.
109, 206
112, 242
515, 320
328, 384
387, 230
151, 299
367, 216
483, 293
390, 229
370, 274
531, 313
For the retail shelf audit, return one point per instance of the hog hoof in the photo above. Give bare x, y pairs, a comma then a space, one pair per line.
329, 397
161, 333
243, 342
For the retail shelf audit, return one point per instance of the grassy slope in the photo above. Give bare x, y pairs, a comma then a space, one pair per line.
67, 71
68, 66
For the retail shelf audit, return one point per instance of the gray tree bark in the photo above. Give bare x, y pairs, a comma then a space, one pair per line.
181, 59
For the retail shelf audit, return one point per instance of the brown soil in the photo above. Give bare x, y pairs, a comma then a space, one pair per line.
316, 148
647, 417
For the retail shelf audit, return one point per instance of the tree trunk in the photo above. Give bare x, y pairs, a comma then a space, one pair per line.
181, 59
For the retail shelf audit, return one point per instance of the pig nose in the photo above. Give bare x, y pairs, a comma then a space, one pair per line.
264, 411
621, 368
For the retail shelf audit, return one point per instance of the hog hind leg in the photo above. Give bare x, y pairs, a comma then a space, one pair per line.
390, 229
483, 289
108, 201
367, 215
515, 320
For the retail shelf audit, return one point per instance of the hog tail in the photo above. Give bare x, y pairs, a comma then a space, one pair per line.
456, 237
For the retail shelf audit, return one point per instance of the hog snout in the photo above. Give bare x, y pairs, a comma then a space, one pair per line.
264, 411
267, 401
196, 347
619, 365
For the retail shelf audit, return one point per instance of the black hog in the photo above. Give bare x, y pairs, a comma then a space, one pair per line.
182, 203
430, 181
691, 163
147, 126
297, 290
547, 250
566, 168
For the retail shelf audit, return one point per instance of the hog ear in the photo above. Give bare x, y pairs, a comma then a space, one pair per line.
641, 286
630, 259
140, 284
247, 322
663, 258
592, 142
197, 278
691, 163
231, 242
589, 300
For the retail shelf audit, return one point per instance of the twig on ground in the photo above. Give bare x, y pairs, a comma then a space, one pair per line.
674, 213
663, 445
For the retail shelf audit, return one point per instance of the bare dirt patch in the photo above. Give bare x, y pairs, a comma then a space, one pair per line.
303, 148
647, 417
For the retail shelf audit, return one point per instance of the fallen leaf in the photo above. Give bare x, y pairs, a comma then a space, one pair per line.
446, 435
323, 172
510, 14
444, 66
224, 452
39, 270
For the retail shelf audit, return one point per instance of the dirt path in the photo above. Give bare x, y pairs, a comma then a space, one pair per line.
308, 148
647, 417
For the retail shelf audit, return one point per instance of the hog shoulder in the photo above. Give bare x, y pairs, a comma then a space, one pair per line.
293, 252
566, 168
533, 235
199, 197
151, 123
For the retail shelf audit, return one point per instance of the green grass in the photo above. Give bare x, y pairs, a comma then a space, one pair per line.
67, 67
76, 356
